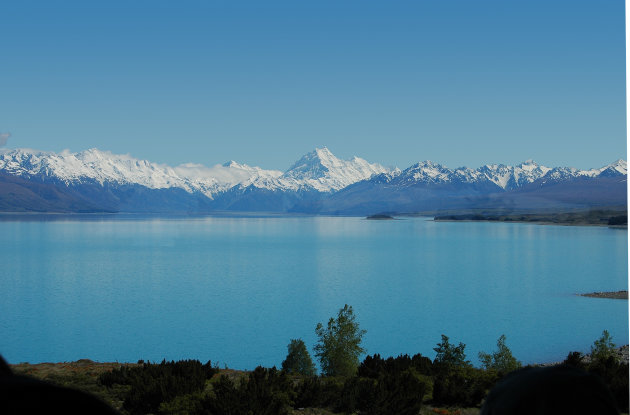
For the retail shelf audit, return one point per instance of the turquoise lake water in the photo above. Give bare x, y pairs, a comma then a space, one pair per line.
236, 290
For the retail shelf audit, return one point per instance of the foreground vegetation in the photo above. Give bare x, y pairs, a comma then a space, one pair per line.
407, 385
376, 385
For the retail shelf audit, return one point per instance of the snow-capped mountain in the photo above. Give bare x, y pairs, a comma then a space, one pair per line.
505, 177
317, 182
221, 177
428, 186
324, 172
318, 171
102, 167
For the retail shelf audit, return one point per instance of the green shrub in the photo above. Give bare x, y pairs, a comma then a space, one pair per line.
603, 348
450, 355
502, 360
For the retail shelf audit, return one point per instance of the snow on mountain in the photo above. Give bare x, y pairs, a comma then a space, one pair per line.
426, 171
528, 172
319, 170
221, 177
90, 165
614, 169
499, 174
430, 172
104, 167
506, 177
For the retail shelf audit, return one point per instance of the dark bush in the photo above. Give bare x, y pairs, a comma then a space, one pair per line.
357, 393
463, 386
152, 384
610, 370
614, 374
224, 399
319, 392
401, 393
575, 359
264, 391
375, 366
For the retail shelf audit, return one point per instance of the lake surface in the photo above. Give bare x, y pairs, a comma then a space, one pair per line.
235, 290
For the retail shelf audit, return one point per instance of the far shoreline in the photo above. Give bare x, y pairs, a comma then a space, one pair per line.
612, 218
615, 295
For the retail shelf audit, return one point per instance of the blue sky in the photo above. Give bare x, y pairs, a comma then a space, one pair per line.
458, 82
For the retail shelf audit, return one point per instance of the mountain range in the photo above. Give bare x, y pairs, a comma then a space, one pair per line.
318, 183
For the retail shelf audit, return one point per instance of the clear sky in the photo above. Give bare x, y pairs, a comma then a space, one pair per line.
459, 82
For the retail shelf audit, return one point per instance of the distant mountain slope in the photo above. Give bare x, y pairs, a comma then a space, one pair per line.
576, 192
318, 182
428, 186
21, 195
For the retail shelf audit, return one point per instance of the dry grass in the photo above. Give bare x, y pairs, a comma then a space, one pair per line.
82, 375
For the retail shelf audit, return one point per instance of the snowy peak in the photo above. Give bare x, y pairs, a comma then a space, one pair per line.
426, 171
499, 174
322, 171
232, 163
619, 167
312, 165
430, 172
506, 177
527, 172
528, 164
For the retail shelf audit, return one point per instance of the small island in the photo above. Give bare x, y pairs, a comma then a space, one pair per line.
380, 216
